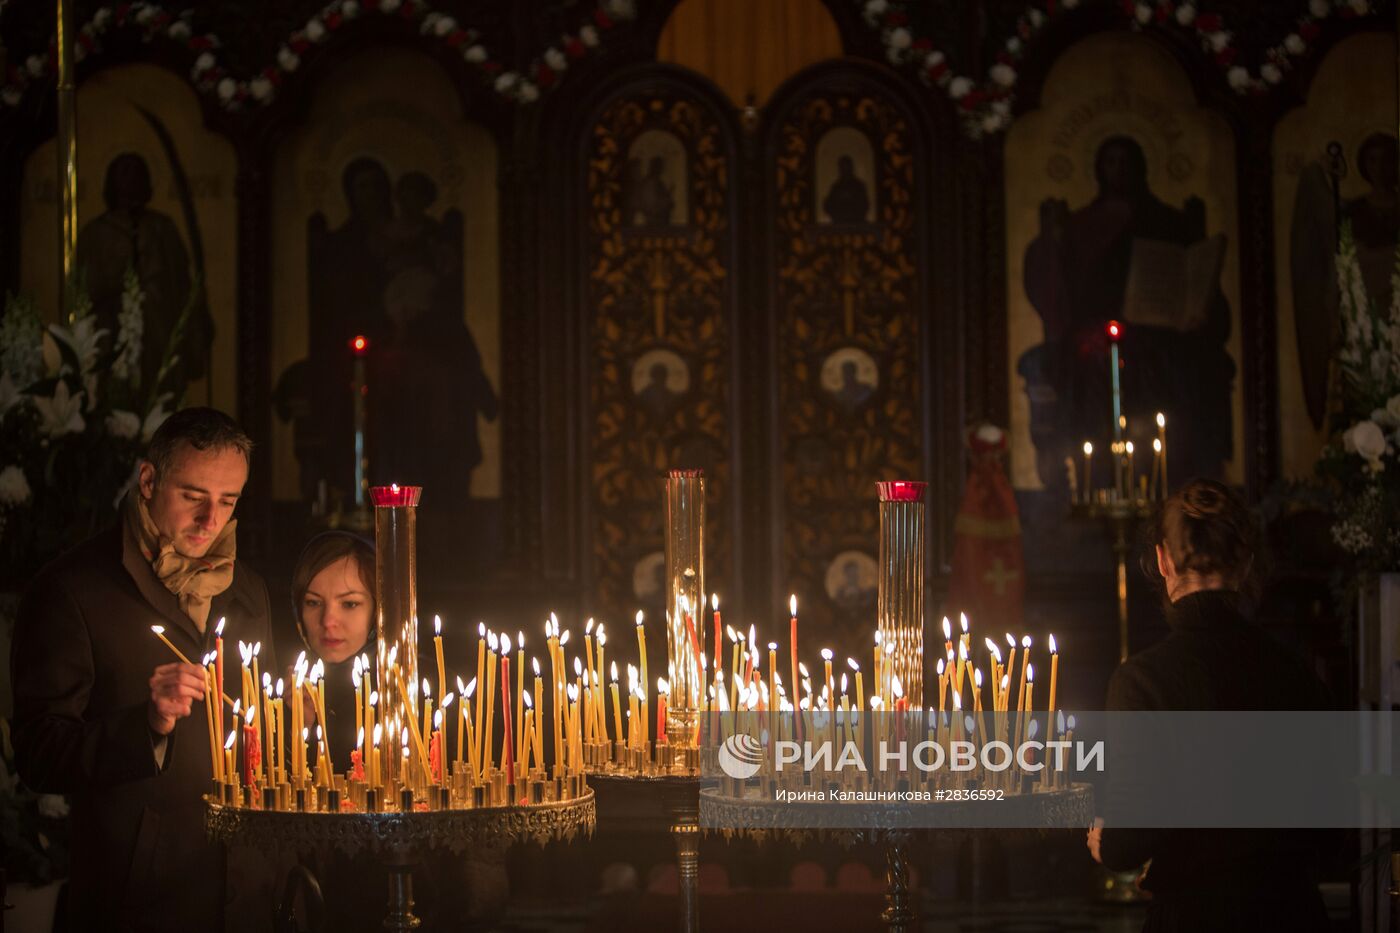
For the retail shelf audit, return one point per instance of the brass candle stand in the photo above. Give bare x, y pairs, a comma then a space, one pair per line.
1121, 517
400, 838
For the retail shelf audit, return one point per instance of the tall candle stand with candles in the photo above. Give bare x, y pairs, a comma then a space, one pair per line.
1126, 499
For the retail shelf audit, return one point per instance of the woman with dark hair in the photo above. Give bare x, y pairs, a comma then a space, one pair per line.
1207, 553
333, 603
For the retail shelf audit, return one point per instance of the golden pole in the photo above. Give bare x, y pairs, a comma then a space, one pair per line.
67, 138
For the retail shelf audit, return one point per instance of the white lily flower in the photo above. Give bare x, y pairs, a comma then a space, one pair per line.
62, 413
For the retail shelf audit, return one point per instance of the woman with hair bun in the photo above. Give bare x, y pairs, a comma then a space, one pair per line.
1207, 549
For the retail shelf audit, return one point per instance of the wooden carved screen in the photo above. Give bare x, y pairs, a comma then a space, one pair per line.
849, 349
658, 266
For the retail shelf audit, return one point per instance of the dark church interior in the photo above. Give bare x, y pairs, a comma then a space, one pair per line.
372, 360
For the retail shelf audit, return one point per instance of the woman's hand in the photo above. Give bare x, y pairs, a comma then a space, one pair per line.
1095, 840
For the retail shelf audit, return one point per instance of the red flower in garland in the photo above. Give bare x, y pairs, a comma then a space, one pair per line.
544, 76
333, 20
457, 36
1226, 56
1129, 7
1208, 22
299, 44
1005, 58
371, 4
160, 20
87, 41
938, 70
200, 43
1310, 30
1163, 12
972, 99
273, 74
574, 48
922, 45
491, 67
602, 19
121, 13
896, 18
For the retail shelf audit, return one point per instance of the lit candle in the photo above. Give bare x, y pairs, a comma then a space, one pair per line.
663, 690
1156, 467
792, 641
257, 693
642, 681
357, 678
632, 707
1025, 665
488, 752
159, 631
508, 731
601, 705
437, 647
1162, 439
617, 705
527, 734
1088, 472
480, 679
1010, 669
1054, 676
230, 773
552, 627
427, 728
214, 755
461, 720
281, 724
219, 674
539, 692
375, 779
520, 692
718, 650
473, 742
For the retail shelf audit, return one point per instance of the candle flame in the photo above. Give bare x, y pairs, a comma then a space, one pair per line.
851, 662
772, 646
471, 688
578, 668
1032, 728
601, 636
481, 630
360, 738
877, 637
554, 624
461, 687
1052, 644
219, 629
714, 601
279, 688
729, 630
962, 651
505, 643
535, 663
437, 720
1005, 681
257, 648
427, 690
792, 605
802, 669
753, 635
662, 687
588, 627
437, 624
962, 620
1069, 724
1129, 448
573, 694
1156, 445
1161, 420
1025, 641
529, 703
941, 667
374, 698
158, 629
267, 680
977, 678
827, 654
1030, 673
947, 629
896, 686
1088, 449
378, 732
250, 714
876, 702
519, 641
639, 618
564, 639
447, 700
957, 701
614, 672
843, 683
228, 742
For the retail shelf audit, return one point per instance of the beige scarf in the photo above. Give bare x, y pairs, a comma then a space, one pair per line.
193, 580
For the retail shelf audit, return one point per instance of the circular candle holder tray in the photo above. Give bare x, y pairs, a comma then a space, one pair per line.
354, 832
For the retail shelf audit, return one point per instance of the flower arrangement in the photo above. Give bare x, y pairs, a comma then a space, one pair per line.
1360, 469
74, 419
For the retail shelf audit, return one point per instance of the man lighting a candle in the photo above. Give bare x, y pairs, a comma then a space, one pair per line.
103, 707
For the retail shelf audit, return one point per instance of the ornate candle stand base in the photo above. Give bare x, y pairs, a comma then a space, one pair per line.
760, 817
679, 797
400, 837
1121, 516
